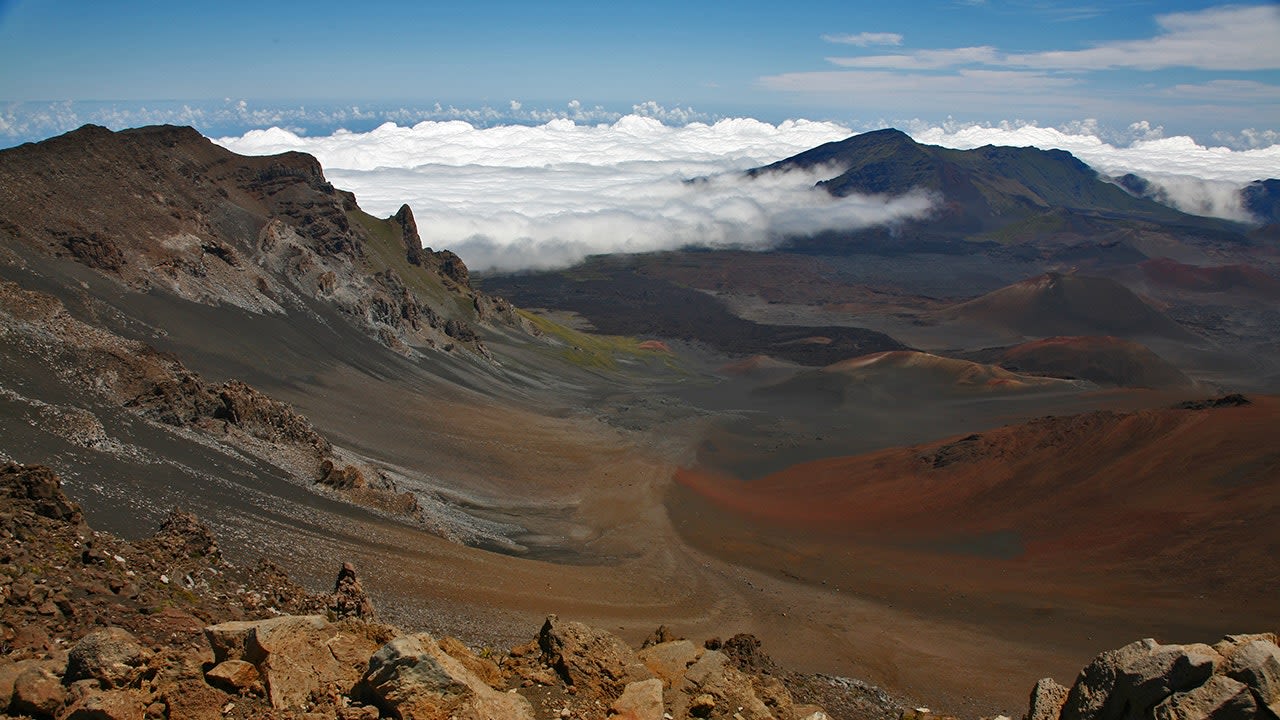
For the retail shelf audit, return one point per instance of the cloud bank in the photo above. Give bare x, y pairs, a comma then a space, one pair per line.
514, 197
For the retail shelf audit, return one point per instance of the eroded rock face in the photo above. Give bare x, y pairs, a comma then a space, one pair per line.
164, 209
641, 700
1255, 661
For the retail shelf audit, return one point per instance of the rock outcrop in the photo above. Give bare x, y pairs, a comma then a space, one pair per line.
1238, 677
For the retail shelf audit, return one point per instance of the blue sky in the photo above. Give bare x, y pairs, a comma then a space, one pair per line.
1190, 67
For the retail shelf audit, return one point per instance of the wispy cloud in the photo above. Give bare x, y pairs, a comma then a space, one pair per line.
961, 91
1222, 38
982, 79
922, 59
864, 39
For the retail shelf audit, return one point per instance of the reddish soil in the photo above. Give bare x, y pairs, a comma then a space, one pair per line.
1069, 530
1106, 360
1061, 304
1222, 278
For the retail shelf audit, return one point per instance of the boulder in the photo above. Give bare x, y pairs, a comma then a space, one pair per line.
591, 660
1220, 698
112, 656
38, 691
1047, 698
125, 704
183, 535
669, 660
411, 677
297, 655
1130, 681
9, 672
640, 701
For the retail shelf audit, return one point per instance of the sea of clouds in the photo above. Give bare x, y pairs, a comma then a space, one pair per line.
512, 197
515, 197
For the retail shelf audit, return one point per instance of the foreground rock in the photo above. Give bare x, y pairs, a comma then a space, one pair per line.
299, 658
1237, 678
412, 677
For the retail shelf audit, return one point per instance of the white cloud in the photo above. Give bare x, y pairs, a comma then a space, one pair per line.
513, 197
864, 39
1214, 198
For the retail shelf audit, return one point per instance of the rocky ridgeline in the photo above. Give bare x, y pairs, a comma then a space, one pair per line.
96, 628
165, 209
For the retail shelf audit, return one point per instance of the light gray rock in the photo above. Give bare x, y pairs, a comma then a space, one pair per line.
1220, 698
411, 677
1257, 664
1130, 681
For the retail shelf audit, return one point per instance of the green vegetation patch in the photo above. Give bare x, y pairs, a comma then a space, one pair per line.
602, 352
